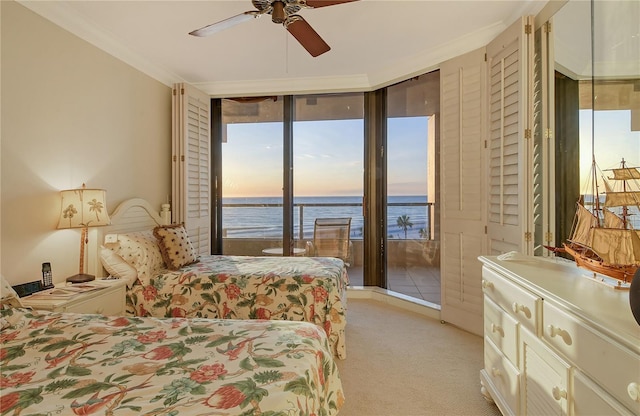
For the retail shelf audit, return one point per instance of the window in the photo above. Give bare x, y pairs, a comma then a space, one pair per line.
319, 140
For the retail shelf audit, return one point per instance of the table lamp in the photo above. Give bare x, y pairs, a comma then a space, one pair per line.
83, 208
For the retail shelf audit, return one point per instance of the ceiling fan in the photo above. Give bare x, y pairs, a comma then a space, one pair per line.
282, 12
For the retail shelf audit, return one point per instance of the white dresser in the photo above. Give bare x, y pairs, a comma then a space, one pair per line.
557, 342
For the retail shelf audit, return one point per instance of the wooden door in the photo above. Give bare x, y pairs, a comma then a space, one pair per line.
487, 171
463, 195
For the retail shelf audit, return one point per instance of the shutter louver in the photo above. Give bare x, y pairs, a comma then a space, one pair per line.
510, 190
192, 165
542, 152
503, 141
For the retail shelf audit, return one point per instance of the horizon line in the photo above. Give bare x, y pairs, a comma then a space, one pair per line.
316, 196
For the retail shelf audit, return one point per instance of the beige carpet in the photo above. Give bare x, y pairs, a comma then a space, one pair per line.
400, 363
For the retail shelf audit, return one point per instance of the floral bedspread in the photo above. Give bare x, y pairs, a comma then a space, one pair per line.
310, 289
65, 364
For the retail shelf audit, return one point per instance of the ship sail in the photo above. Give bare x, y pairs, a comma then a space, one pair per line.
616, 246
604, 238
625, 174
585, 222
611, 220
621, 199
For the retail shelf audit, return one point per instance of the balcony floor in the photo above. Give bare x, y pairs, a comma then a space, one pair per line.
418, 282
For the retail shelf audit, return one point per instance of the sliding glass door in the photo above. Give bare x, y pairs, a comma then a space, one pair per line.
328, 140
252, 165
412, 243
326, 167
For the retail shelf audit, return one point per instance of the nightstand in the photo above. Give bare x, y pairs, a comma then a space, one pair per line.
107, 301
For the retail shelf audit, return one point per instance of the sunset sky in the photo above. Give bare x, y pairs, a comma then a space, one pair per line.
614, 140
328, 158
328, 155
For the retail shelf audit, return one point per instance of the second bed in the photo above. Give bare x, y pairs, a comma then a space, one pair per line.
310, 289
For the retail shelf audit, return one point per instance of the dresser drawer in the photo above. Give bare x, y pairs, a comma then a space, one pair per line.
612, 366
502, 329
545, 378
591, 400
504, 376
110, 303
521, 304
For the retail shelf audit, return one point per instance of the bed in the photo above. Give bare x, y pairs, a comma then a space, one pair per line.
63, 363
309, 289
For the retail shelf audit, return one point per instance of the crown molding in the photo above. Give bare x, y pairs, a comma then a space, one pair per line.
286, 86
67, 18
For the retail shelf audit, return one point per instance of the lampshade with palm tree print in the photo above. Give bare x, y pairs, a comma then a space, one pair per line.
83, 208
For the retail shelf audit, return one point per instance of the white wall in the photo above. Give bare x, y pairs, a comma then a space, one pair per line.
71, 114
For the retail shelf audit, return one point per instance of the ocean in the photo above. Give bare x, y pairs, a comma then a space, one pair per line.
261, 217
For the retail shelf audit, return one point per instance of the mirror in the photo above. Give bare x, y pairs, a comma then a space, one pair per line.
596, 50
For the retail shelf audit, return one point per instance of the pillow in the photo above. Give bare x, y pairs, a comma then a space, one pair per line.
8, 296
9, 299
117, 267
140, 250
175, 246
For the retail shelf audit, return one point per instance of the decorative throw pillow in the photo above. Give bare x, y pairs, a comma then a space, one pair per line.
139, 249
175, 246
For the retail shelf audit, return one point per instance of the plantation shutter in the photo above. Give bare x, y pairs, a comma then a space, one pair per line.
191, 164
510, 191
463, 197
544, 200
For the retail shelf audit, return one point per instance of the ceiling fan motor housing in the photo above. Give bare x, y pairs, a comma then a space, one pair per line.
279, 10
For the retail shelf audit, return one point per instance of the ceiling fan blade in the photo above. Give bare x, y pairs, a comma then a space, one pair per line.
308, 38
323, 3
223, 24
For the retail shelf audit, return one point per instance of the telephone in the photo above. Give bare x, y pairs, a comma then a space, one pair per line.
47, 276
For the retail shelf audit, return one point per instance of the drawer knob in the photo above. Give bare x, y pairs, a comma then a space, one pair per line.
558, 393
496, 372
554, 330
516, 307
486, 284
634, 391
498, 329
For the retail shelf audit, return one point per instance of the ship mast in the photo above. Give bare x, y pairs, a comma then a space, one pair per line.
625, 208
595, 193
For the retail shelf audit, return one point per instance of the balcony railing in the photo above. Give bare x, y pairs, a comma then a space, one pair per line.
354, 210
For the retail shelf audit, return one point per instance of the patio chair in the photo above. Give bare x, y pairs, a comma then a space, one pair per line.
331, 239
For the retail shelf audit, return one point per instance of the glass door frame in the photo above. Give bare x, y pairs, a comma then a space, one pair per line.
287, 177
375, 189
216, 175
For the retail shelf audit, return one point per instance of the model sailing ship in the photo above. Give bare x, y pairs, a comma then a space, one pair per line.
603, 237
